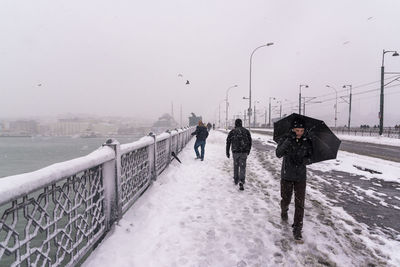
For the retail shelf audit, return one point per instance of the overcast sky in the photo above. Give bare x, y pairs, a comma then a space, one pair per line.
123, 57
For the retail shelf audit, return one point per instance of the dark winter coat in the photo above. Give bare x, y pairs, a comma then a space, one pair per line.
201, 133
240, 139
296, 155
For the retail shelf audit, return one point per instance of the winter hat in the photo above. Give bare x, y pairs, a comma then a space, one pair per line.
298, 123
238, 123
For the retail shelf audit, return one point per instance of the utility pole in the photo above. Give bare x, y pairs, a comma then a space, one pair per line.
269, 122
219, 115
349, 102
335, 102
254, 123
395, 54
301, 85
265, 117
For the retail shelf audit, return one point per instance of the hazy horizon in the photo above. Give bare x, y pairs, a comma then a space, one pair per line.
132, 59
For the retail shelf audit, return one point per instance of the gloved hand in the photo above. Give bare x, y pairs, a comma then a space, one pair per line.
228, 155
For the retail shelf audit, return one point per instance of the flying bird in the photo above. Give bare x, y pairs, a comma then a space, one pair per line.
345, 43
187, 82
180, 75
39, 84
370, 18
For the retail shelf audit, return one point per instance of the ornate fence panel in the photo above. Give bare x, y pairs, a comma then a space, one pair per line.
136, 173
162, 153
174, 141
56, 223
55, 216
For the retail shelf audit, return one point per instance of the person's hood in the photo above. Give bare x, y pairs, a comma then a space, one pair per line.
238, 123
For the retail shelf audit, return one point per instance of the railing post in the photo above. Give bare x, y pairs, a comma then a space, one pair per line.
153, 161
112, 182
169, 148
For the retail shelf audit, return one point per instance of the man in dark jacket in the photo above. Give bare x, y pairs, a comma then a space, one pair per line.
201, 134
209, 126
296, 150
240, 139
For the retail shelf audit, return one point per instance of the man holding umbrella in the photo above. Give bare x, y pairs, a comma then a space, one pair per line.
301, 140
296, 150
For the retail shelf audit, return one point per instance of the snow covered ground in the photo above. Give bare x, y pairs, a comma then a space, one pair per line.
194, 215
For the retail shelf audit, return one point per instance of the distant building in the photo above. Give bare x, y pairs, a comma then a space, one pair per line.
194, 120
24, 127
166, 121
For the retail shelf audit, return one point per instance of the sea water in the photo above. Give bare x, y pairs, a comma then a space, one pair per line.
25, 154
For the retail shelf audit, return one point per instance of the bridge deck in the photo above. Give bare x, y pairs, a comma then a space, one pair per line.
194, 215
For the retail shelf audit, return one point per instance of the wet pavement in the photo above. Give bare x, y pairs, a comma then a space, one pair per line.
372, 150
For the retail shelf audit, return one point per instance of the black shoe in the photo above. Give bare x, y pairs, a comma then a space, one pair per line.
197, 158
236, 182
241, 186
202, 159
297, 234
284, 216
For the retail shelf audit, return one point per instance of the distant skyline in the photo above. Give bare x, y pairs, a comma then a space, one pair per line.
133, 58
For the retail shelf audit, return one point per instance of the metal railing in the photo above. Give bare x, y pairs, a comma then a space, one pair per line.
55, 216
387, 131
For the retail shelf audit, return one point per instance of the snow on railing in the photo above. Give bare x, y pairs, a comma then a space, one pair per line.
55, 216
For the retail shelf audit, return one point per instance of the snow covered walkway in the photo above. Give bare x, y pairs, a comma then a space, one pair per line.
194, 215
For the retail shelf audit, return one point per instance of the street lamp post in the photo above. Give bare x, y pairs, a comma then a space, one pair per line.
350, 96
269, 121
251, 60
301, 85
219, 113
254, 123
382, 88
227, 104
335, 102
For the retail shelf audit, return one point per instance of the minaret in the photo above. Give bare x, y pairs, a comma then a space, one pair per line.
172, 109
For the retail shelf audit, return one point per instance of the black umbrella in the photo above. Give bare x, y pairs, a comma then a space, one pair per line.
324, 141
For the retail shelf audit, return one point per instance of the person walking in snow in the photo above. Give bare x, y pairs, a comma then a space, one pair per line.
240, 139
209, 126
201, 134
296, 150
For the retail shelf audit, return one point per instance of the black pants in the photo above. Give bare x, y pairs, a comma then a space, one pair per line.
299, 195
239, 167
